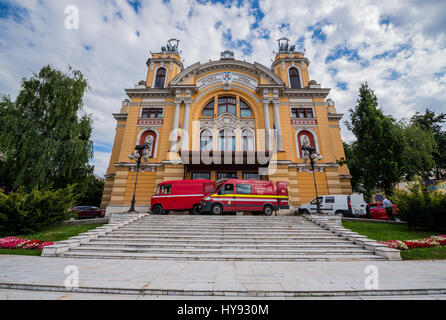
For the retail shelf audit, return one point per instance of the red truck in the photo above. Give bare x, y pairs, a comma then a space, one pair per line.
181, 195
246, 195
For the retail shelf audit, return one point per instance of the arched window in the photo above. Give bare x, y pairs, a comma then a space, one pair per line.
247, 140
208, 110
245, 110
226, 104
160, 77
294, 78
149, 137
226, 140
206, 140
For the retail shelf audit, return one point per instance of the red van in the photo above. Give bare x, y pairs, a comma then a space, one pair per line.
246, 195
180, 195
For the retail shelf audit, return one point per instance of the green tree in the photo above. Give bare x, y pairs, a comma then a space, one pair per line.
379, 146
92, 195
430, 122
43, 140
419, 152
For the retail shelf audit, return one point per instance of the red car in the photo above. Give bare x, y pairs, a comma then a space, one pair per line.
88, 212
180, 195
377, 211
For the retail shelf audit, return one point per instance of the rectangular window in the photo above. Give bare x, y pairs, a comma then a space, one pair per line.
329, 200
165, 189
152, 113
225, 175
251, 175
302, 113
244, 189
200, 175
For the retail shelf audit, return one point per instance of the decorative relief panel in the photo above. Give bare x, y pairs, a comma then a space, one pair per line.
150, 122
227, 77
303, 122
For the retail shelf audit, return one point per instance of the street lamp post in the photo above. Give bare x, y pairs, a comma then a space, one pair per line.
308, 152
140, 152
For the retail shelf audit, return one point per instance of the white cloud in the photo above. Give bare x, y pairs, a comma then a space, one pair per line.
409, 79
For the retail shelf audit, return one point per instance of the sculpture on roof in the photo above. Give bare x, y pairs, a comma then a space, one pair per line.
284, 45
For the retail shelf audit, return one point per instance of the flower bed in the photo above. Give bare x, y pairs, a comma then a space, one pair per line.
19, 243
434, 241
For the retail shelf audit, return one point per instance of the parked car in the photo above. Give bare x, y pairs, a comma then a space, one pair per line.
180, 195
234, 195
84, 212
347, 205
377, 211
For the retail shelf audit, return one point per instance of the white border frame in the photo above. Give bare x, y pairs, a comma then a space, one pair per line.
253, 137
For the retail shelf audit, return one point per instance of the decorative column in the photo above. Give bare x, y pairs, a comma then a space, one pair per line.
277, 124
267, 125
175, 125
185, 135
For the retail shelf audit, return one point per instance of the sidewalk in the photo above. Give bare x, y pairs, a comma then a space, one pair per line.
223, 278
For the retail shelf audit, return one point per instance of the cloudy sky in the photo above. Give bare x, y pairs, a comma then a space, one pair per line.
398, 47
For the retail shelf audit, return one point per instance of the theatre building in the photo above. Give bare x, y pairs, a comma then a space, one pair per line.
226, 118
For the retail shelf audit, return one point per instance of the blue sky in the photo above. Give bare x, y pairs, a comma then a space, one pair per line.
398, 47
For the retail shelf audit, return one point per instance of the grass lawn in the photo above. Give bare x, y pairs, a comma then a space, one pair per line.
54, 233
384, 232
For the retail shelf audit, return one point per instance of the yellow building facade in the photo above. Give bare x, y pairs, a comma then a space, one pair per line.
224, 118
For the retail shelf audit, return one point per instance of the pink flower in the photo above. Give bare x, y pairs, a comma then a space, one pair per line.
19, 243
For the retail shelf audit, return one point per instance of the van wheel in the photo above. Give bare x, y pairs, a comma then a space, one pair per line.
216, 209
157, 209
268, 210
196, 209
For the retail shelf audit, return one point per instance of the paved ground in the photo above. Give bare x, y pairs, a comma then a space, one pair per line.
157, 279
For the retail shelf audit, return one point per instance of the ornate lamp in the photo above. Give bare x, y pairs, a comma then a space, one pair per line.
141, 152
308, 152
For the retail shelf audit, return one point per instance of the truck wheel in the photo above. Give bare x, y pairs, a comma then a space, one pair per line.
216, 209
196, 209
157, 209
268, 210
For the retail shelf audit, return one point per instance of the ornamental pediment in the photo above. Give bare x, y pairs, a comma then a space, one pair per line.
232, 71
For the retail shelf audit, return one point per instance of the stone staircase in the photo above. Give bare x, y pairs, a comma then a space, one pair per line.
215, 238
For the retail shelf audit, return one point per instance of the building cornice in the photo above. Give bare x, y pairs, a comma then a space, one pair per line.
305, 92
335, 116
148, 92
169, 60
120, 116
299, 60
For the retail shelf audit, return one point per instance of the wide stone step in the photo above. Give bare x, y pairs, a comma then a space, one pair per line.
202, 229
221, 251
223, 237
111, 255
224, 233
123, 244
303, 241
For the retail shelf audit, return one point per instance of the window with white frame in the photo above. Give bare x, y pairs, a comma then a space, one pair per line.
206, 140
247, 140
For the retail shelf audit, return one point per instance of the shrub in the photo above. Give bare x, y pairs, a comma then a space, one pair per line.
421, 207
22, 212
